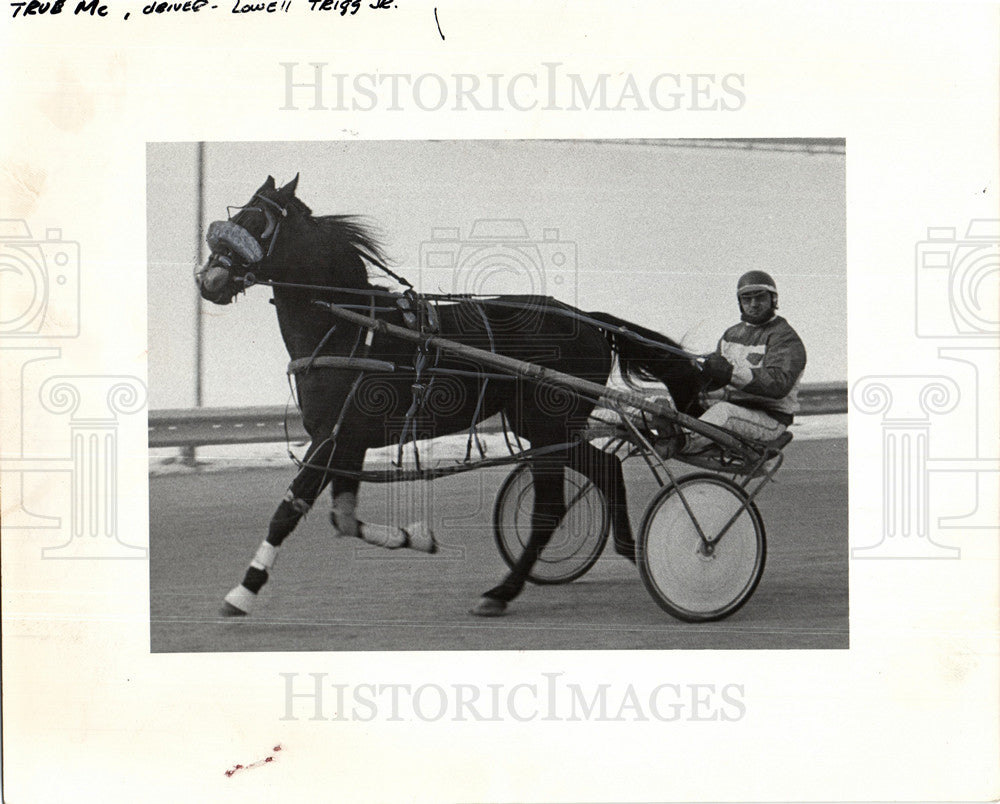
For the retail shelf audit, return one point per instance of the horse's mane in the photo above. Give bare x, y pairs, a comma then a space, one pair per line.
342, 236
351, 234
356, 234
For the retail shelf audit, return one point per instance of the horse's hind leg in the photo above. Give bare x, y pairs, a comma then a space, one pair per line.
547, 513
604, 470
418, 536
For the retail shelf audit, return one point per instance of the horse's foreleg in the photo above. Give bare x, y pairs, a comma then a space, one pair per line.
547, 513
299, 498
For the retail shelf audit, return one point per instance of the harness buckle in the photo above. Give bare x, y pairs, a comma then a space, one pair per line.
405, 305
419, 315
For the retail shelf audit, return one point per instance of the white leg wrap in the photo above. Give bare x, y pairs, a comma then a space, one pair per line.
421, 537
265, 556
416, 536
383, 536
241, 598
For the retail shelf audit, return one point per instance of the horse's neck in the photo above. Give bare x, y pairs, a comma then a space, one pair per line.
306, 255
307, 327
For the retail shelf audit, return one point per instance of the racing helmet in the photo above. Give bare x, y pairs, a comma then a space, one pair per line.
757, 280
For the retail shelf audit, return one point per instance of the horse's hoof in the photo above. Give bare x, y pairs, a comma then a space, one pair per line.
489, 607
238, 602
229, 610
420, 537
626, 550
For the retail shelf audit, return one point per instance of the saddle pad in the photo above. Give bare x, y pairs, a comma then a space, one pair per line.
335, 361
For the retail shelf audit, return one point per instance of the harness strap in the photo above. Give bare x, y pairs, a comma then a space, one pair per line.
273, 223
402, 280
360, 364
473, 435
419, 389
494, 301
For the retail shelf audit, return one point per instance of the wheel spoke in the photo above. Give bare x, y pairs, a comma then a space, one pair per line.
684, 563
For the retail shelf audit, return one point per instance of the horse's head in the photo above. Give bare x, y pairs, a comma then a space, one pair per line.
242, 247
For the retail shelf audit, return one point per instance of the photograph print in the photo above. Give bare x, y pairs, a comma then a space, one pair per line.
497, 395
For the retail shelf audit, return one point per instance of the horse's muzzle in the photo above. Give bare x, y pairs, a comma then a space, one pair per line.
233, 250
215, 282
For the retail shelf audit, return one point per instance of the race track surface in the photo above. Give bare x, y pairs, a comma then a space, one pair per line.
328, 593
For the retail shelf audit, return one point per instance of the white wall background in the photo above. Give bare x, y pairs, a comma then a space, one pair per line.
661, 234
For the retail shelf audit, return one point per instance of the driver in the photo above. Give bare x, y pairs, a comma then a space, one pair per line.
753, 375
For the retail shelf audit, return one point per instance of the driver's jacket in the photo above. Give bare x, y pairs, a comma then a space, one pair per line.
768, 361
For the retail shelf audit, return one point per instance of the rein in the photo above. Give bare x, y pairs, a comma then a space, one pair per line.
249, 280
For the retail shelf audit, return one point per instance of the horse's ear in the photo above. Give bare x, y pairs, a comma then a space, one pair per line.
269, 184
289, 189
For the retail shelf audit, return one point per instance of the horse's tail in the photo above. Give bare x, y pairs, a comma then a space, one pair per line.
644, 362
638, 361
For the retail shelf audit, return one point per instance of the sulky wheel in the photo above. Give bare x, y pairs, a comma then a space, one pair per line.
693, 580
576, 543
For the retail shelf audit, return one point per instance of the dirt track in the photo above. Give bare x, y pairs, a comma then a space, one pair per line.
332, 594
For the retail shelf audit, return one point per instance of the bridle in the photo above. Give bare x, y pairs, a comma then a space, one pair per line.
235, 250
272, 211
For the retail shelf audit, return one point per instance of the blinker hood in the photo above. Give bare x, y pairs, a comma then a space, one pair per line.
232, 237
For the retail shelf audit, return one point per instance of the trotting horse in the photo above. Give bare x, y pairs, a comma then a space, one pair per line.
275, 239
